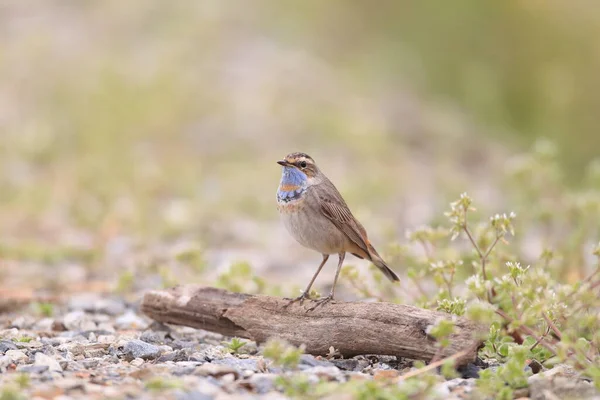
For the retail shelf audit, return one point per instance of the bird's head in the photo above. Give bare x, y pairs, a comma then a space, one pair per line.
299, 162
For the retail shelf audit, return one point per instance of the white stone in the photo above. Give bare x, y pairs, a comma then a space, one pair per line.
16, 356
42, 359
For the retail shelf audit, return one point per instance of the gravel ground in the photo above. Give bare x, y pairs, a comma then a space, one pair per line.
97, 347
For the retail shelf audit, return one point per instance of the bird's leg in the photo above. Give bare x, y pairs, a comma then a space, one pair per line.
332, 292
306, 291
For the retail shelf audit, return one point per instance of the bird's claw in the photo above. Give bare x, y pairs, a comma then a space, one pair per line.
300, 299
321, 302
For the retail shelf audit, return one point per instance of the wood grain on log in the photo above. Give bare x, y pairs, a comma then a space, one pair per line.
352, 328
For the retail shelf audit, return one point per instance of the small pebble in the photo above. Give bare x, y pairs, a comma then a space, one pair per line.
130, 320
6, 345
16, 356
42, 359
137, 362
139, 349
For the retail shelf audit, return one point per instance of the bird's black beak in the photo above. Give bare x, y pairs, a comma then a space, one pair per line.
283, 163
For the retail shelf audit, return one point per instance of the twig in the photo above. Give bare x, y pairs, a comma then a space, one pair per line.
552, 326
586, 280
487, 253
527, 330
437, 355
541, 338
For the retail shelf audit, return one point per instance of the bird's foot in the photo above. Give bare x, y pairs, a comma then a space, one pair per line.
300, 299
321, 301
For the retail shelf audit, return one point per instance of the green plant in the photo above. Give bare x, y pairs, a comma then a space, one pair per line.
125, 282
544, 309
159, 384
23, 381
240, 278
11, 393
234, 345
23, 339
44, 309
282, 353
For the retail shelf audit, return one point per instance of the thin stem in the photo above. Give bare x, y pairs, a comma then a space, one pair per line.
487, 253
583, 306
586, 280
552, 326
481, 256
540, 339
468, 232
448, 284
426, 249
527, 330
437, 355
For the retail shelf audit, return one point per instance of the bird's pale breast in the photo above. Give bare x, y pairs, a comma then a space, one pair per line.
304, 220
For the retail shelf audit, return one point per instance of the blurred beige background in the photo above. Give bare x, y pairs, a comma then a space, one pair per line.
136, 131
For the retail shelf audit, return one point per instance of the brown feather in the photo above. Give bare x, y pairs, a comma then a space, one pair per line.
336, 210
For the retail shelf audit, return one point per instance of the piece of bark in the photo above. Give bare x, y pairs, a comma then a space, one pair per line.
352, 328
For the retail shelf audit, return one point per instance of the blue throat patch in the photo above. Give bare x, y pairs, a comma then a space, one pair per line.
293, 184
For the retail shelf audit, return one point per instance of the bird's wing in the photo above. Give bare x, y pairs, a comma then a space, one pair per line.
334, 207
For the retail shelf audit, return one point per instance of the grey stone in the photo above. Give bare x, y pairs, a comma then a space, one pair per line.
106, 338
10, 333
194, 395
262, 383
542, 388
51, 363
32, 345
248, 364
178, 355
208, 353
441, 391
130, 320
347, 365
155, 337
330, 373
198, 357
33, 369
78, 321
312, 361
64, 364
6, 345
90, 363
165, 349
5, 361
22, 322
182, 344
16, 356
469, 371
185, 368
105, 328
139, 349
45, 324
217, 371
138, 362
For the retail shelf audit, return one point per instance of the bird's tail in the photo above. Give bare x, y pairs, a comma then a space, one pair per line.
379, 263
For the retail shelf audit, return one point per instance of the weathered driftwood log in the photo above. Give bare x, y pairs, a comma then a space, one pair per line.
352, 328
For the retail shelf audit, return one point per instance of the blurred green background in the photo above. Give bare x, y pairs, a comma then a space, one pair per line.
130, 125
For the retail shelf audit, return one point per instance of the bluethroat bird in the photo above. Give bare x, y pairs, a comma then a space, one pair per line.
316, 215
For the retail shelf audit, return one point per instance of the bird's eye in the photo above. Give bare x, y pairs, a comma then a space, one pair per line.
303, 164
